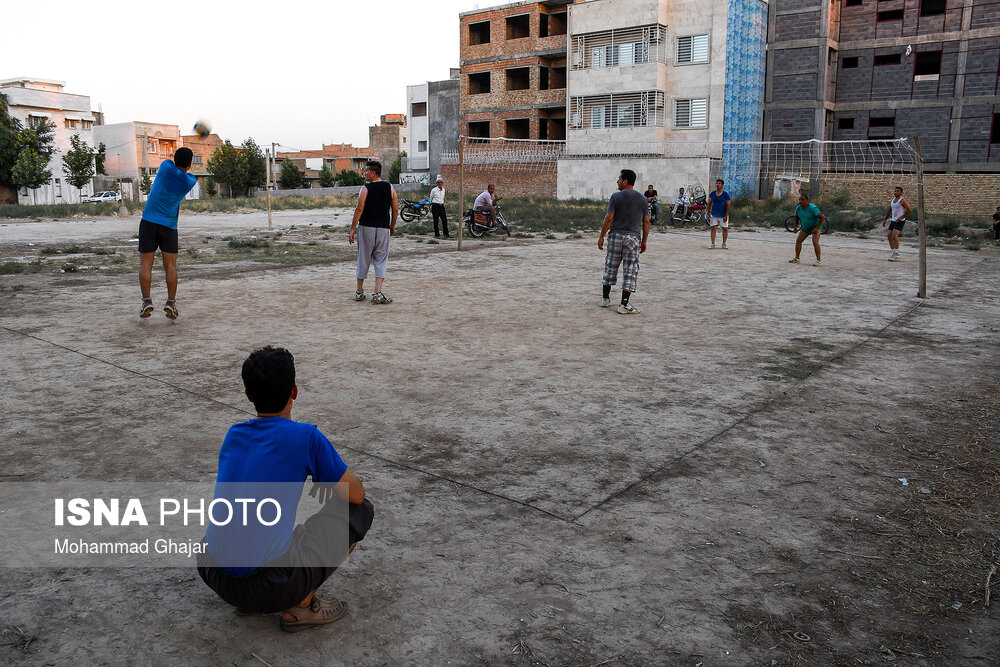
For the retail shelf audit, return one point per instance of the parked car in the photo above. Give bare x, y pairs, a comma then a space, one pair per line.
110, 195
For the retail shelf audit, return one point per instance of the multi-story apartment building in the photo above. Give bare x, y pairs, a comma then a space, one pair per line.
202, 147
433, 126
882, 69
664, 84
513, 70
135, 148
34, 101
388, 139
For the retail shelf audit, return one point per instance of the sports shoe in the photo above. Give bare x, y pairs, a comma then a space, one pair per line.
725, 247
360, 296
713, 246
147, 308
794, 261
605, 303
381, 298
894, 258
817, 263
628, 309
170, 308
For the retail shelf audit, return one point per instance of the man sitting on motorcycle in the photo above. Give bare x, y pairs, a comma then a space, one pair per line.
485, 204
682, 204
654, 206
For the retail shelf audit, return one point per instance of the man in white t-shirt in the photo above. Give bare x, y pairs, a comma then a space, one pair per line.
485, 203
437, 208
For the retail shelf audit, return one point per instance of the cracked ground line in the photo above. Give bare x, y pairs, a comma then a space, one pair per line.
959, 278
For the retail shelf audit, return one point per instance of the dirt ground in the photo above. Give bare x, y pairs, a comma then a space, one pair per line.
715, 481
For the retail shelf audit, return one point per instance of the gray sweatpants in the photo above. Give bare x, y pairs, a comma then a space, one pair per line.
373, 246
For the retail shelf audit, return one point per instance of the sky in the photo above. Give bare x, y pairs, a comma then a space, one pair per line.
298, 73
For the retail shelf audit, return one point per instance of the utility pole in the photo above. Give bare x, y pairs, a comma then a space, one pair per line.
268, 152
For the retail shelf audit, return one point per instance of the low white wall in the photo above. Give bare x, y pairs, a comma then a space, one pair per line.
597, 178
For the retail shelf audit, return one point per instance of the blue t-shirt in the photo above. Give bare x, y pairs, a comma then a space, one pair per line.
170, 187
719, 203
809, 216
272, 450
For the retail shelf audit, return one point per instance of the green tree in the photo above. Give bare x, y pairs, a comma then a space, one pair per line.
210, 188
396, 167
15, 137
30, 170
224, 165
253, 167
146, 184
78, 162
326, 177
99, 159
349, 177
290, 177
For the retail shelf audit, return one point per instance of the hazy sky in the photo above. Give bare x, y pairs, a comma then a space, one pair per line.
299, 72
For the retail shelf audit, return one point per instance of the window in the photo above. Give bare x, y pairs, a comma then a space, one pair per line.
543, 25
853, 3
479, 83
88, 124
597, 117
518, 78
890, 15
927, 66
418, 109
849, 63
557, 24
995, 136
845, 124
479, 129
882, 122
58, 188
517, 128
690, 113
932, 7
421, 146
888, 59
518, 27
693, 49
479, 33
196, 159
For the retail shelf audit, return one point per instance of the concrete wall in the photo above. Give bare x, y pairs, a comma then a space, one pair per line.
596, 178
340, 190
942, 192
442, 122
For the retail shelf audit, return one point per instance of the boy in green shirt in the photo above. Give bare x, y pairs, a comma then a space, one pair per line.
811, 220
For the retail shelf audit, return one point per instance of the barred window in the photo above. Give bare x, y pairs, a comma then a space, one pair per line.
691, 113
642, 109
614, 48
692, 49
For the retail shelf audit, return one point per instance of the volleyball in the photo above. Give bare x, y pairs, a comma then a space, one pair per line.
202, 128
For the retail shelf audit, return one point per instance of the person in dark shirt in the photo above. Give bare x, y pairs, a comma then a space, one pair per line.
377, 201
158, 228
996, 225
652, 199
277, 567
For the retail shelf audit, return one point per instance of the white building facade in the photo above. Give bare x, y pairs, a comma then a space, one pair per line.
647, 79
33, 101
418, 155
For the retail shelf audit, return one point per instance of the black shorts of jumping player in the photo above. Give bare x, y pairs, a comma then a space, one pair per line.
897, 225
281, 584
153, 236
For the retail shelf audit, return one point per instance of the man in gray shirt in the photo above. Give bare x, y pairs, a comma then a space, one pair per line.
627, 220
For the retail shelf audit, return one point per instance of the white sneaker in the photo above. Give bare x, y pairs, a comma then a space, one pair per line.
628, 309
817, 263
713, 246
724, 247
605, 303
894, 258
360, 296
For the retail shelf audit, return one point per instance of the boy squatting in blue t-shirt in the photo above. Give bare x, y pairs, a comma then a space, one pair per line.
158, 227
278, 567
812, 224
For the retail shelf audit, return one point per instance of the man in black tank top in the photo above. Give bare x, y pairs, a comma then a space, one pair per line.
376, 216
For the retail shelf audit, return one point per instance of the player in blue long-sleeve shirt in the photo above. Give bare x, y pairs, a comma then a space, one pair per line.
158, 227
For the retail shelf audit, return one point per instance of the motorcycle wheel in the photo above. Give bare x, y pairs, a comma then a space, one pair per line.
407, 214
475, 230
697, 216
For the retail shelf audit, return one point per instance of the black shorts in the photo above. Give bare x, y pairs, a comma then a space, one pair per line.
897, 224
279, 585
153, 236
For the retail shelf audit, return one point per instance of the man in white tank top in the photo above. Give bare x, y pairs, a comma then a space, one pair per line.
896, 217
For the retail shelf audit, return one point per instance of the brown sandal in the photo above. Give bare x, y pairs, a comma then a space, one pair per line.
319, 612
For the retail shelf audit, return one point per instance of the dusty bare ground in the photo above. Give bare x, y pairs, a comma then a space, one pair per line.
714, 481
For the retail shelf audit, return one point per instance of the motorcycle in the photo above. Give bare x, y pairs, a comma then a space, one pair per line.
695, 211
478, 223
412, 210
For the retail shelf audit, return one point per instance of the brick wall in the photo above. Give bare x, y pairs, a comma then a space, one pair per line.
515, 182
948, 194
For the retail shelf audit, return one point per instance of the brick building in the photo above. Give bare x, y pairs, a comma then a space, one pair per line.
388, 139
513, 70
137, 147
881, 69
202, 147
338, 157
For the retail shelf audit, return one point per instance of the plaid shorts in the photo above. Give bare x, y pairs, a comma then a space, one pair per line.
622, 249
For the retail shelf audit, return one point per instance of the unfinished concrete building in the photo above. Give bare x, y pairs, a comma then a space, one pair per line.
513, 71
